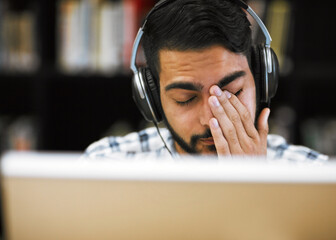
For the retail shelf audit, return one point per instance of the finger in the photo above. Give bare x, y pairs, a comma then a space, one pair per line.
231, 112
221, 144
262, 124
245, 117
226, 125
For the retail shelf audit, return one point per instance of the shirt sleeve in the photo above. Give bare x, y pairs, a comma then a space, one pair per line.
145, 143
278, 148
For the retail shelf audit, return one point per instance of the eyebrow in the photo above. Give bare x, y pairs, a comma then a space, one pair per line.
198, 87
184, 85
227, 79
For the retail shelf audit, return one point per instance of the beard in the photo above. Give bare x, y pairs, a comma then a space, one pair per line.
190, 147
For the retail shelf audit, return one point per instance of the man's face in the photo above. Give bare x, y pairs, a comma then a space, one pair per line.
185, 81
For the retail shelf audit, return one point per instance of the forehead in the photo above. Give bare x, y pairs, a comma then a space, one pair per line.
201, 66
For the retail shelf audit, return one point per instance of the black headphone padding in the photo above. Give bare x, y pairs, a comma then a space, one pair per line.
255, 67
274, 76
259, 68
153, 93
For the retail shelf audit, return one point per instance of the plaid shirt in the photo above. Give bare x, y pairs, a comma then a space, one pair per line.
147, 143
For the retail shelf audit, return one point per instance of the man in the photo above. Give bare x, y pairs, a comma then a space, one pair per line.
200, 56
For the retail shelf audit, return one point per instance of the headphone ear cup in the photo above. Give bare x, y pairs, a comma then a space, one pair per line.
256, 70
274, 76
268, 89
153, 93
140, 97
146, 96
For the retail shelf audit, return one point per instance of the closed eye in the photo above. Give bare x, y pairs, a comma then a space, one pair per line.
239, 92
183, 103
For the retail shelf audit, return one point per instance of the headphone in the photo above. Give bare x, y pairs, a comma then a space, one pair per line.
265, 68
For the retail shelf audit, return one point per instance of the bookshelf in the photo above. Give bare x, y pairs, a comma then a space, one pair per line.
70, 104
75, 102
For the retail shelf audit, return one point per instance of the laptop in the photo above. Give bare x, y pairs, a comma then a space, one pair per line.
53, 195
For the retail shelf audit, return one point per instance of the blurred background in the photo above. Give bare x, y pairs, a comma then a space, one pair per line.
65, 78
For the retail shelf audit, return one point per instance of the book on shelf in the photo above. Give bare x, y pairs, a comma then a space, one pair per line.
18, 40
278, 21
2, 49
111, 37
75, 38
130, 29
98, 35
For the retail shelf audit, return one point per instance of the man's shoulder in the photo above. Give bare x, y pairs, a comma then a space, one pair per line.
279, 148
146, 141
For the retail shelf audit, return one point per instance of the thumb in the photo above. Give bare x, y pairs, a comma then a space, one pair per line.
263, 122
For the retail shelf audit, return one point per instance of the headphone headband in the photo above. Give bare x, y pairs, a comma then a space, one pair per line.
239, 2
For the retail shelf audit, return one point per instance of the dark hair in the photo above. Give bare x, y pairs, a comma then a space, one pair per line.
194, 25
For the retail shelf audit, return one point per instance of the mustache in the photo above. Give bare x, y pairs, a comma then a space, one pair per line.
195, 138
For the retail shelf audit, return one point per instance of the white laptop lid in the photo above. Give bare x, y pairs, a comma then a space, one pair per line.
58, 196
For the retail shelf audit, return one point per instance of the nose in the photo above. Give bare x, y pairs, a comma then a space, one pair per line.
205, 113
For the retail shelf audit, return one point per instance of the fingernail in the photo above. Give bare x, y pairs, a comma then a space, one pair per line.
214, 123
267, 116
268, 113
217, 91
228, 95
214, 101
